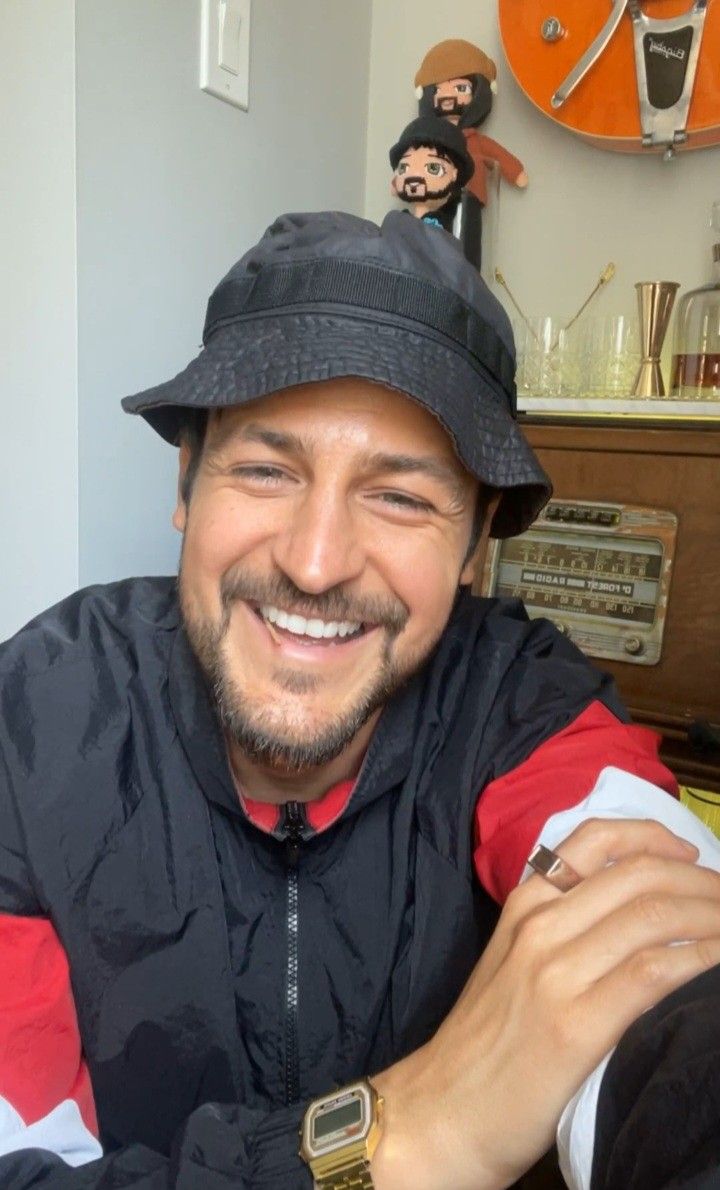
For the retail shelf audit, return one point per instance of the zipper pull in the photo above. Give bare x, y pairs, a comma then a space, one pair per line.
293, 826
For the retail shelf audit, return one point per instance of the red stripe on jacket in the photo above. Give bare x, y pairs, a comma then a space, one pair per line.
41, 1062
560, 773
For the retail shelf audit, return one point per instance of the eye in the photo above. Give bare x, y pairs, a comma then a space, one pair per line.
263, 474
405, 503
436, 168
463, 88
402, 167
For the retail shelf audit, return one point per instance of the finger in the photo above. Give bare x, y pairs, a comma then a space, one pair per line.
639, 880
592, 847
624, 993
598, 842
650, 921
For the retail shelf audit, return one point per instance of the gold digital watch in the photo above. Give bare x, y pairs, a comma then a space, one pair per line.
340, 1133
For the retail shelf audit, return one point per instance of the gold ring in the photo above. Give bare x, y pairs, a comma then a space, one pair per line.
553, 868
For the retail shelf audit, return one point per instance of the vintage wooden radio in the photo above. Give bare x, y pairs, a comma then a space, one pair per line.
625, 559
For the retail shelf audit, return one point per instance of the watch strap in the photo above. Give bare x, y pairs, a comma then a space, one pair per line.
355, 1177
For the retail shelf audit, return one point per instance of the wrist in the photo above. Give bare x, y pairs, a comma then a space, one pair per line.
419, 1145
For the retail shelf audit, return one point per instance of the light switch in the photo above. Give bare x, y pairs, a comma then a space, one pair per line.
225, 50
231, 22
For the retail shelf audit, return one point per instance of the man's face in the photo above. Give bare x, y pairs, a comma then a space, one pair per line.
323, 545
452, 97
426, 176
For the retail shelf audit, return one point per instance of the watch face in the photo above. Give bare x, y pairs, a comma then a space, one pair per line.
337, 1120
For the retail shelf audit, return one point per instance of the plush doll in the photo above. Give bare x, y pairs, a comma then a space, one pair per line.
456, 81
431, 165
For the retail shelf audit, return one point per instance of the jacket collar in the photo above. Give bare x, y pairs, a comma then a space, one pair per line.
387, 760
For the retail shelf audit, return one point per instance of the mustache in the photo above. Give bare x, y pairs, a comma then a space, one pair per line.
443, 192
442, 105
333, 604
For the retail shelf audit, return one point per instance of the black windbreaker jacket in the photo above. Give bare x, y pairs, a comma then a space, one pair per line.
204, 1032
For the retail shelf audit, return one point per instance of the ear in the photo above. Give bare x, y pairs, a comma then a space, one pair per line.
179, 517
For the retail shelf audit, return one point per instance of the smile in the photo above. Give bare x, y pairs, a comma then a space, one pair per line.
308, 636
315, 628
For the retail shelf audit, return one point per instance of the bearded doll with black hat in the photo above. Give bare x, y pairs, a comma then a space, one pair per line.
456, 81
431, 165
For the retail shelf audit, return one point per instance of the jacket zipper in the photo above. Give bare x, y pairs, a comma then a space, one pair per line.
293, 824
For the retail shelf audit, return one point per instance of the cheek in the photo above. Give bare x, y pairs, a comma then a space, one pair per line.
217, 537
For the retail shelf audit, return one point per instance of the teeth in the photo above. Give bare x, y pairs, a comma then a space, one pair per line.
319, 629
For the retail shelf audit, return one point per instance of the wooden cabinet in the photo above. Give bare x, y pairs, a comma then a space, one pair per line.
678, 469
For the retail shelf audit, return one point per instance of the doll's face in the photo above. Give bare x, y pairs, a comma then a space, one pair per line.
425, 175
452, 97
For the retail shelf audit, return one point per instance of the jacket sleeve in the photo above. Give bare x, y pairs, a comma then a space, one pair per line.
530, 800
48, 1127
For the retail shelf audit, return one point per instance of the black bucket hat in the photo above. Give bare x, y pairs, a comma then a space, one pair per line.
431, 130
328, 295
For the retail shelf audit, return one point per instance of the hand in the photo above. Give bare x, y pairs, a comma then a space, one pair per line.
562, 978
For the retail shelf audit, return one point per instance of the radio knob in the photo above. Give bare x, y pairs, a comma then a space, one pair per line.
551, 29
633, 645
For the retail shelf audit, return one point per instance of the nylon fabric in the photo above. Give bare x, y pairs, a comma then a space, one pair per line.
168, 900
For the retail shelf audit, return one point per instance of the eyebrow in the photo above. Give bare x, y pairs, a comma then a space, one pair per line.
380, 461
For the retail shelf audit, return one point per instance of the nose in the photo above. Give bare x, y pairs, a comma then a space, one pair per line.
320, 547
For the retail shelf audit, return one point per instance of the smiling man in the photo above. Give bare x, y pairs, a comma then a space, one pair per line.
256, 824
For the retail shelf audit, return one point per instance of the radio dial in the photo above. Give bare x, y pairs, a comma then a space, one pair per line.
633, 645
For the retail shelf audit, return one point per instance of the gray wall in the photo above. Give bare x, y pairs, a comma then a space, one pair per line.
173, 185
583, 206
38, 361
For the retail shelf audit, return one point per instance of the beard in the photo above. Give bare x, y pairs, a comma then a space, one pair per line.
428, 195
445, 108
268, 733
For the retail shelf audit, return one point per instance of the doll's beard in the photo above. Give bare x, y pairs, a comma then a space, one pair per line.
427, 195
457, 109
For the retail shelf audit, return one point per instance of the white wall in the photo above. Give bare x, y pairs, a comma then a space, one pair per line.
173, 186
38, 359
583, 207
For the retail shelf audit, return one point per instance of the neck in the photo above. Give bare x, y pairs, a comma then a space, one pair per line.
270, 783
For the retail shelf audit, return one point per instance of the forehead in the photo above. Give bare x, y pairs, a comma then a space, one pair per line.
424, 153
356, 410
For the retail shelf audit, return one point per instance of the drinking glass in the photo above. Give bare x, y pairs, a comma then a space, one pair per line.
610, 355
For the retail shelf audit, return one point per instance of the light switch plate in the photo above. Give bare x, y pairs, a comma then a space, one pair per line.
225, 50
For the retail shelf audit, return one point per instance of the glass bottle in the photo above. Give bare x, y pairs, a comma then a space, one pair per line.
696, 348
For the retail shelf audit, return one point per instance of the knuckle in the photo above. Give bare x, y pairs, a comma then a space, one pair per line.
531, 933
595, 828
647, 968
708, 952
653, 909
568, 1029
641, 868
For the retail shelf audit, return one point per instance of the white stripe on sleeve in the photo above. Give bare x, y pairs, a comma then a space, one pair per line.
617, 794
62, 1132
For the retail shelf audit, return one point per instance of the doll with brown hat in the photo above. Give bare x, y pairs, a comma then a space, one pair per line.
457, 81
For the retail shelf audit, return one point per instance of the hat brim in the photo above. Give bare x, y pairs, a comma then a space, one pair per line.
252, 358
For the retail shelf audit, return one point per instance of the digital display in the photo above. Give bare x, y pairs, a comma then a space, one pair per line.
337, 1119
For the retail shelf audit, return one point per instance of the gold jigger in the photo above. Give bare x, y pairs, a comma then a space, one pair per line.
655, 303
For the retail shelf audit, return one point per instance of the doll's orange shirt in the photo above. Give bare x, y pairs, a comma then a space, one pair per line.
485, 153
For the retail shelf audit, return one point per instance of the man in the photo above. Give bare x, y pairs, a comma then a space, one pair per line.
431, 165
253, 831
